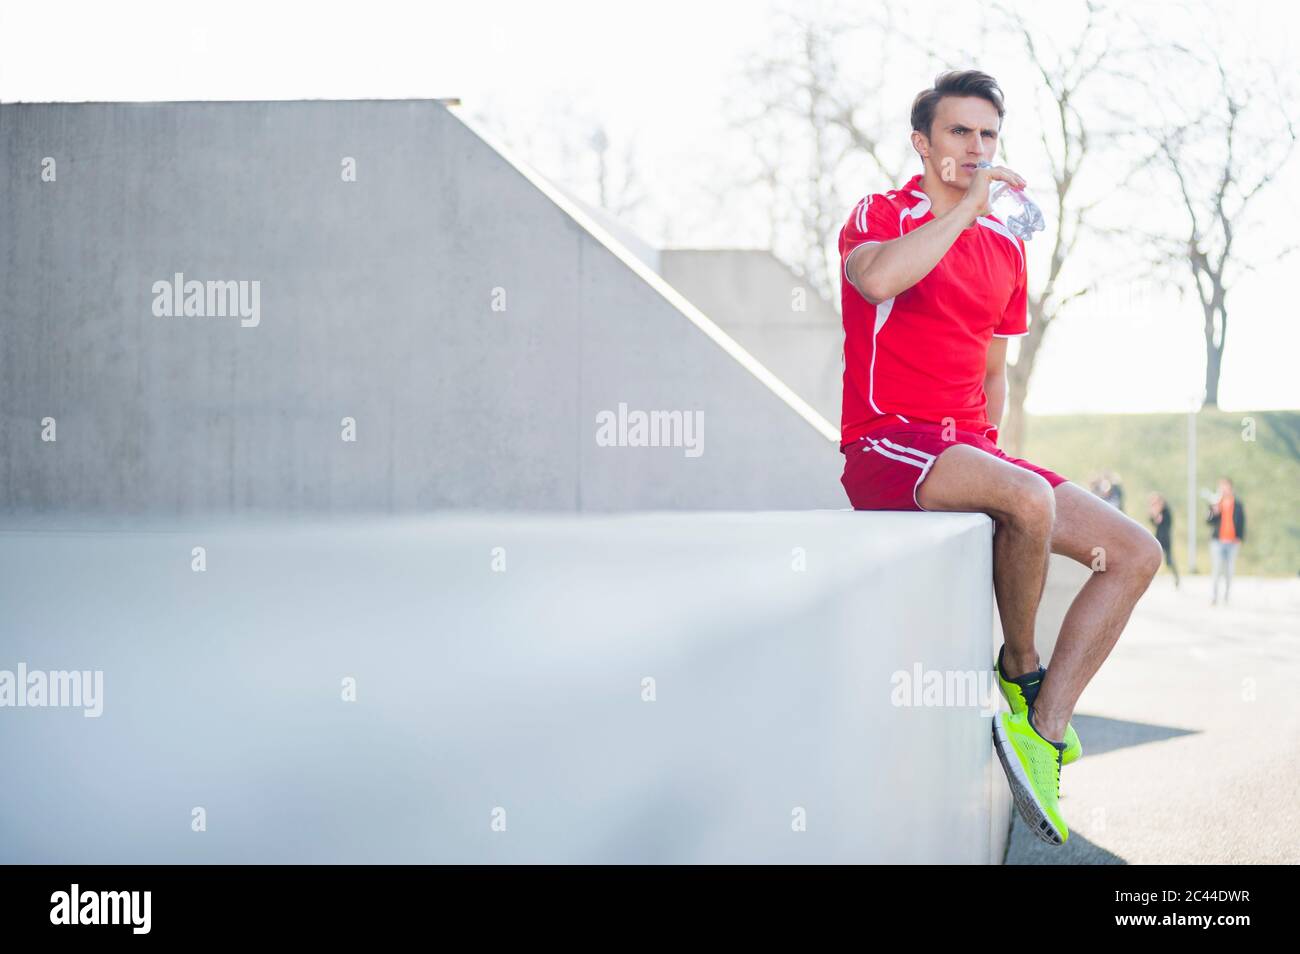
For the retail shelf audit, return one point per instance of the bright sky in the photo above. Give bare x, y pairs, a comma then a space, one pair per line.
663, 75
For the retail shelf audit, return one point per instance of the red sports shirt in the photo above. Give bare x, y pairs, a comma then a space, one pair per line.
921, 355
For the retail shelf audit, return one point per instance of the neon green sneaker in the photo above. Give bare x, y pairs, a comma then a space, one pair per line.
1020, 694
1033, 767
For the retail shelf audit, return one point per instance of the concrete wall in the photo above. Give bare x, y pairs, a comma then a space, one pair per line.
750, 293
376, 304
773, 640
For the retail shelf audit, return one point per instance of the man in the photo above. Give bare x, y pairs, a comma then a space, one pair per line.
1114, 494
1162, 518
1227, 520
933, 288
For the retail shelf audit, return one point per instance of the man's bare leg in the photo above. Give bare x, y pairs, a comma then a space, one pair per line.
1094, 533
1022, 506
1032, 519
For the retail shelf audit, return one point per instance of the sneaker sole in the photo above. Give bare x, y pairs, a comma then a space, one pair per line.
1027, 803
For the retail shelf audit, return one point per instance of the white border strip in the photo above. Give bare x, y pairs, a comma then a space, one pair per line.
670, 294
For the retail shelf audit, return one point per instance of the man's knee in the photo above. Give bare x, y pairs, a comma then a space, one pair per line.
1032, 508
1140, 554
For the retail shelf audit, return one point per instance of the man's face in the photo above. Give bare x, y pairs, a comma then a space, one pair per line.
1225, 487
964, 131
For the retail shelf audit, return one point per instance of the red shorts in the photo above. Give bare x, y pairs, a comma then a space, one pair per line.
883, 469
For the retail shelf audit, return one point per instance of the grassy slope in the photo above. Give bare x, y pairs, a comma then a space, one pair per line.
1149, 452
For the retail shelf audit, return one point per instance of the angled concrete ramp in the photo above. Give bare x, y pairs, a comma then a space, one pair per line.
376, 304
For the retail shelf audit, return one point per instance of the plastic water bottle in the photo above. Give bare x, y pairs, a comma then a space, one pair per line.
1015, 208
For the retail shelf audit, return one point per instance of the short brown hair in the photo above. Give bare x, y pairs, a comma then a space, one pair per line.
954, 83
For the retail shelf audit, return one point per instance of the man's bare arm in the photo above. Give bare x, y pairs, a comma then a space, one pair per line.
995, 389
995, 380
885, 270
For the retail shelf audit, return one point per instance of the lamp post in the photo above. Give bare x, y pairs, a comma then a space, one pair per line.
1192, 499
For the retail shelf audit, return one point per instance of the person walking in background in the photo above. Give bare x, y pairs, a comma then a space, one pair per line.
1227, 520
1104, 486
1163, 520
1115, 496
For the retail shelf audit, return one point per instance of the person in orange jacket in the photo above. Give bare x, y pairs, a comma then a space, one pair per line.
1227, 520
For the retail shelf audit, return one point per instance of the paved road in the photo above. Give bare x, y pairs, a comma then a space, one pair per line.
1191, 735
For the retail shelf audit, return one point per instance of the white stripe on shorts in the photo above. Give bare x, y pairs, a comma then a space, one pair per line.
925, 462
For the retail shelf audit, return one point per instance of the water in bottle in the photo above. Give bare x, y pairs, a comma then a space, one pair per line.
1015, 208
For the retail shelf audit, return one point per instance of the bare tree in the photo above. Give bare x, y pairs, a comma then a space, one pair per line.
617, 181
788, 91
812, 130
573, 148
1213, 166
1067, 80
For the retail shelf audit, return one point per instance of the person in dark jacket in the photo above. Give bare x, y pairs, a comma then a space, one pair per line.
1227, 520
1162, 519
